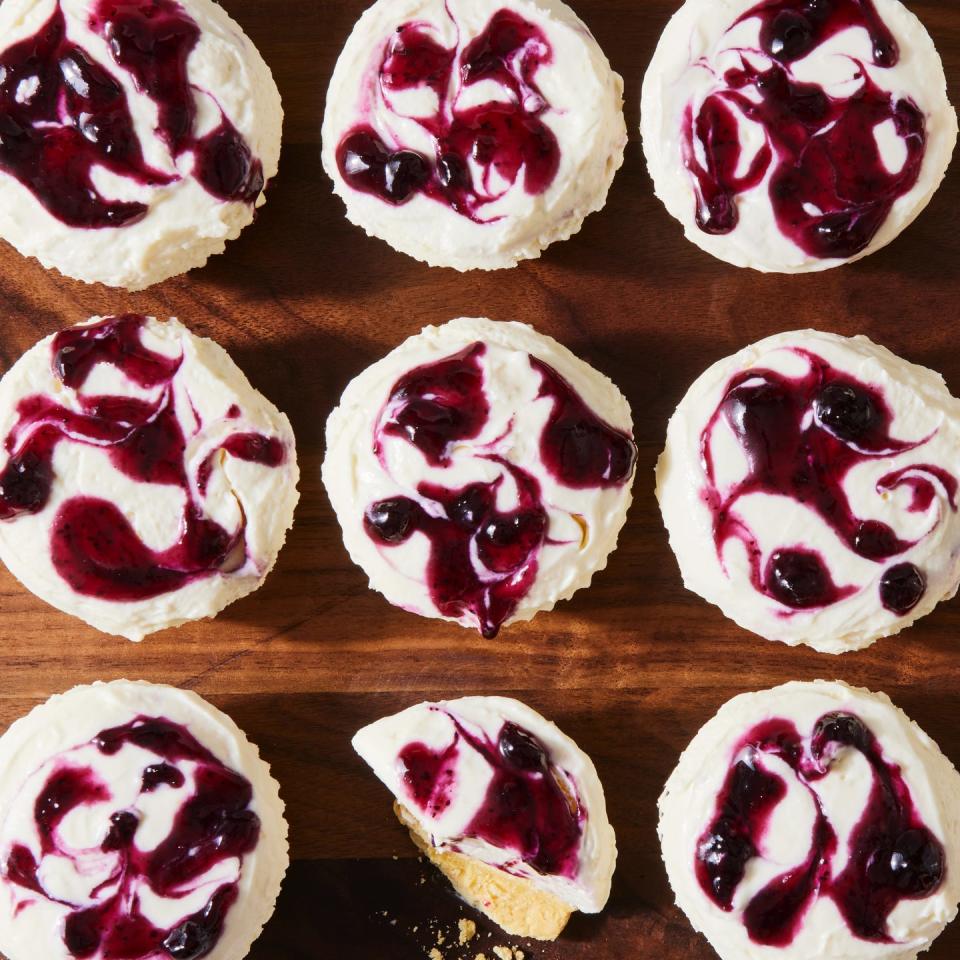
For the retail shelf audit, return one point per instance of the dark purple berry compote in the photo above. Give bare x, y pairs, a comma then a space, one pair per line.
529, 807
887, 856
839, 145
65, 113
150, 433
94, 849
830, 443
485, 125
483, 454
493, 781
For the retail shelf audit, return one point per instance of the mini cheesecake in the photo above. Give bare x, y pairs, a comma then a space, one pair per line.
813, 820
480, 472
136, 822
143, 481
472, 133
796, 135
136, 137
506, 806
810, 488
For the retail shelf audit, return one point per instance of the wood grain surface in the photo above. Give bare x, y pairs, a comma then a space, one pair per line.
630, 668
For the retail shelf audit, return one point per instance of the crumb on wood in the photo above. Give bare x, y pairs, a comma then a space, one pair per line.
435, 954
468, 930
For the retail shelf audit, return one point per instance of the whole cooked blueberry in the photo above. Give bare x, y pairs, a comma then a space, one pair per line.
453, 172
521, 749
469, 509
844, 233
848, 412
189, 941
24, 485
789, 37
916, 863
901, 588
363, 153
875, 540
760, 412
390, 520
797, 579
82, 932
840, 728
123, 826
405, 173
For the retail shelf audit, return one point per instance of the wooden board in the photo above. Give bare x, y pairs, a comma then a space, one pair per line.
629, 668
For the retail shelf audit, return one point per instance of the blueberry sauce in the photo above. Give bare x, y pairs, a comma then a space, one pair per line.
439, 405
152, 40
214, 824
506, 543
62, 114
801, 438
578, 448
93, 545
892, 855
829, 187
499, 139
528, 806
252, 447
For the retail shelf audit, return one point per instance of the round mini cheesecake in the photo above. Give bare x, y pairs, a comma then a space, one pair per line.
136, 821
813, 820
471, 133
480, 472
809, 486
527, 864
795, 135
136, 137
143, 481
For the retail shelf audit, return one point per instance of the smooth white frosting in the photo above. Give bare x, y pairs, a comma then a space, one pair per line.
698, 46
260, 497
585, 116
688, 802
921, 406
60, 730
355, 478
185, 224
381, 743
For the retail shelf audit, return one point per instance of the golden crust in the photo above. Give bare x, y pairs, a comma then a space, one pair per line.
513, 903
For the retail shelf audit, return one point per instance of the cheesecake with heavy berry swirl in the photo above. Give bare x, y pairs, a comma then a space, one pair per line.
472, 133
796, 135
813, 820
810, 488
143, 481
136, 822
503, 803
480, 472
136, 136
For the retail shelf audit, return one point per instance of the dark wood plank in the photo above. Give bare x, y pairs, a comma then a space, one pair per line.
630, 668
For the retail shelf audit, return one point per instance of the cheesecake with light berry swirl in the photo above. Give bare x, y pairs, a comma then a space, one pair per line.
472, 133
136, 822
503, 803
810, 489
813, 820
144, 482
796, 135
480, 472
